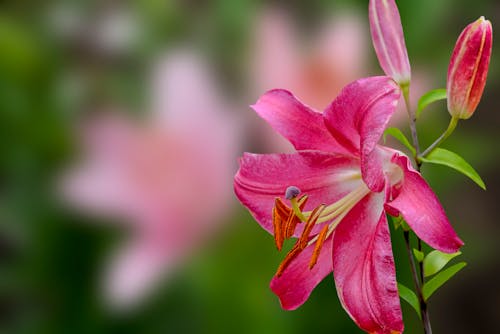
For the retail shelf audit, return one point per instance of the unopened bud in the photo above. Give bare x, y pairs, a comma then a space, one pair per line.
468, 68
388, 40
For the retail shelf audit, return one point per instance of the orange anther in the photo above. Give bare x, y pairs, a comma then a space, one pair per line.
281, 209
319, 244
278, 227
292, 254
311, 221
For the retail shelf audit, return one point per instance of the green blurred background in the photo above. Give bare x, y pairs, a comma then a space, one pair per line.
51, 258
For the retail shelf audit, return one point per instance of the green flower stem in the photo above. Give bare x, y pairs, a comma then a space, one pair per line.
426, 322
418, 276
420, 263
413, 120
442, 138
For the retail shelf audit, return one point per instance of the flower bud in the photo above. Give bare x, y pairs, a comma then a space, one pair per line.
468, 68
388, 40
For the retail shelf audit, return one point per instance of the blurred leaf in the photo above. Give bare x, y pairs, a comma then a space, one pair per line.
418, 255
410, 297
440, 156
431, 286
436, 260
430, 97
21, 53
396, 133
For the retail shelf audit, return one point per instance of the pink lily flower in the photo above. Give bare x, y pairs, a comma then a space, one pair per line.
388, 40
339, 185
468, 68
148, 176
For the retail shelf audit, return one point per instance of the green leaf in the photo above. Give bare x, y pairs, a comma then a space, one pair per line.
430, 97
418, 255
435, 283
410, 297
396, 133
405, 226
440, 156
396, 221
436, 260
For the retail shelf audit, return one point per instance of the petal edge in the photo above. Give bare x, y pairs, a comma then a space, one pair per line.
295, 121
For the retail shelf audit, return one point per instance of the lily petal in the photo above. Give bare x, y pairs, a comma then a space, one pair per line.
296, 283
325, 177
363, 268
300, 124
357, 119
422, 211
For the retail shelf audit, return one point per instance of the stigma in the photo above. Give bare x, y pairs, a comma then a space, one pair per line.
286, 218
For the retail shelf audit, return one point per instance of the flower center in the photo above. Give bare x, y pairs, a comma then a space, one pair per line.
286, 218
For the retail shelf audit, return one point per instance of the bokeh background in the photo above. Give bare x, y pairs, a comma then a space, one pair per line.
120, 127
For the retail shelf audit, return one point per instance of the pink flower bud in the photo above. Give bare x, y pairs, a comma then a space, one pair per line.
468, 68
388, 40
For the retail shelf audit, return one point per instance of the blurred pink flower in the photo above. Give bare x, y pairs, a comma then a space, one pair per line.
316, 71
168, 178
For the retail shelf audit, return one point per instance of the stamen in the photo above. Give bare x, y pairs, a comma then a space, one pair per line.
343, 204
315, 214
277, 224
346, 199
319, 245
292, 254
281, 214
285, 220
332, 225
301, 243
282, 209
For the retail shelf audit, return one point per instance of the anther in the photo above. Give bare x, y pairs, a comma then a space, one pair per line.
281, 207
280, 215
277, 224
319, 244
301, 243
292, 254
311, 221
292, 192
